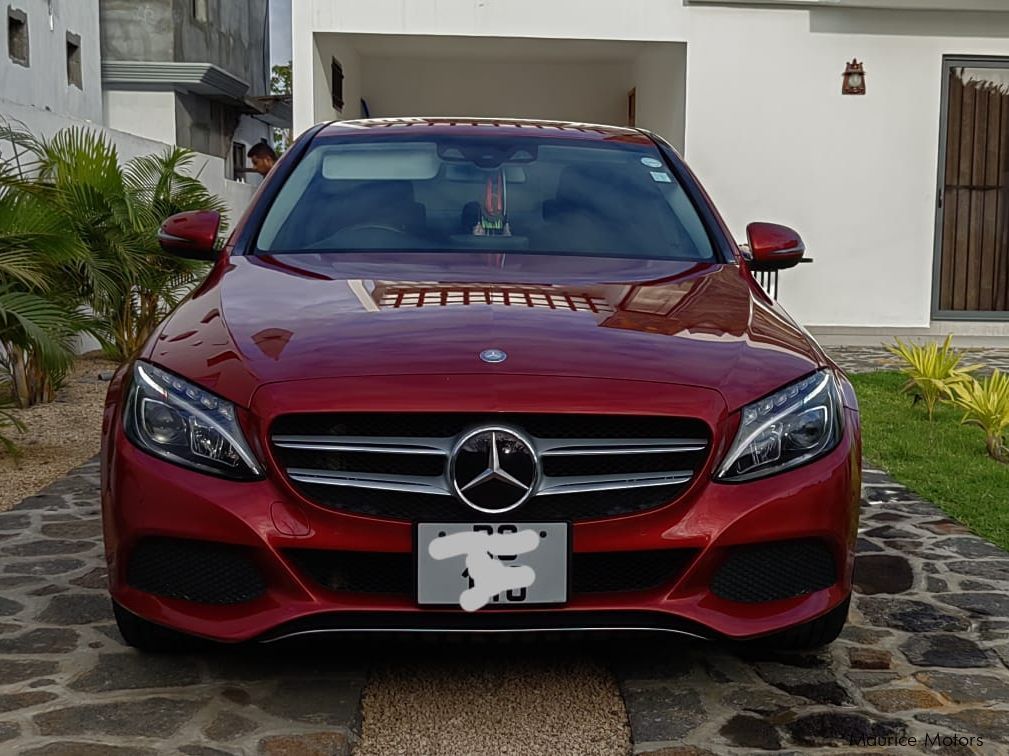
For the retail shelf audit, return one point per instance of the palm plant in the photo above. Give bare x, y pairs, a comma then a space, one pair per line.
986, 405
931, 370
158, 186
114, 211
38, 299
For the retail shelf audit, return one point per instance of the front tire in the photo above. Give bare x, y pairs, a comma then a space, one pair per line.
150, 637
811, 635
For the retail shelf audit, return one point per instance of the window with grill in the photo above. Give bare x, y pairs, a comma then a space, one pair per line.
74, 75
238, 155
17, 36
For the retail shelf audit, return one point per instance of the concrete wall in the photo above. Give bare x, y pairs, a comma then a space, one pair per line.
766, 126
660, 78
856, 175
234, 37
137, 29
209, 168
576, 91
43, 84
147, 114
321, 106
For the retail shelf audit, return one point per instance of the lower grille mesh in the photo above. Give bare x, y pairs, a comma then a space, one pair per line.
378, 573
773, 571
207, 573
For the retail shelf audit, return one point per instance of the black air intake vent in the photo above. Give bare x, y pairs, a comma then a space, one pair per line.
773, 571
207, 573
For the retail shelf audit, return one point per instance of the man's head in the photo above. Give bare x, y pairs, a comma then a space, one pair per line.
262, 158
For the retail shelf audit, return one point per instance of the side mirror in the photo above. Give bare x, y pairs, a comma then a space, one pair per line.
773, 247
191, 235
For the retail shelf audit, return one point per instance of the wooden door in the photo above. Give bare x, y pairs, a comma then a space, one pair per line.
973, 268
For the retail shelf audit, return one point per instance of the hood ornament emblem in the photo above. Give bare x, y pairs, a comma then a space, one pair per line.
493, 356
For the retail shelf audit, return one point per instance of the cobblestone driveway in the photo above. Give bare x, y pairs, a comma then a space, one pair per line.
925, 654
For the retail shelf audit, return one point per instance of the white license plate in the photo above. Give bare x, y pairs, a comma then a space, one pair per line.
443, 576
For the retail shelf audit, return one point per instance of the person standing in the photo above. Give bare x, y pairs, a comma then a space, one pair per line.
262, 157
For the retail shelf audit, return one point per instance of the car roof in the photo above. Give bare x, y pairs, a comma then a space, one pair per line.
505, 127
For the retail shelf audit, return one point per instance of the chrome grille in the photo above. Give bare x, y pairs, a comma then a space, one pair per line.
396, 466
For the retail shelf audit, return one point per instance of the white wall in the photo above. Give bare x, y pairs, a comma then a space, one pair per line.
146, 114
350, 62
43, 84
766, 127
856, 175
209, 168
661, 20
660, 77
575, 91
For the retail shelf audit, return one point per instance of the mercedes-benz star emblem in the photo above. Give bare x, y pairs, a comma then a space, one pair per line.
493, 355
494, 470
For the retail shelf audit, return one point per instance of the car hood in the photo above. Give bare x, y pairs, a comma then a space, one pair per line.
266, 319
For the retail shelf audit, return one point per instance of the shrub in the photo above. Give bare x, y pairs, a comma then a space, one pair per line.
120, 285
986, 405
932, 371
8, 420
39, 298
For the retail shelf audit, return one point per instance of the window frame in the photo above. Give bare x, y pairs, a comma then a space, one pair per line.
936, 312
336, 83
20, 17
74, 66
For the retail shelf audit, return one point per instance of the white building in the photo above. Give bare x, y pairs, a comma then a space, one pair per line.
147, 73
903, 239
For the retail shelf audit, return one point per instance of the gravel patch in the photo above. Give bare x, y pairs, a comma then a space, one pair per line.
61, 435
493, 700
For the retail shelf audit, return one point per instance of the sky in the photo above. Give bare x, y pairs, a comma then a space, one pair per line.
280, 31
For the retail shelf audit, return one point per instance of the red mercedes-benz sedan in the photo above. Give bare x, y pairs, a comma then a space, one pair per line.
480, 376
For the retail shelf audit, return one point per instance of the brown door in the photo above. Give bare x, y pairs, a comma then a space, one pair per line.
973, 266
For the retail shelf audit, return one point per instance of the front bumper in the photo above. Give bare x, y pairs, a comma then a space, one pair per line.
144, 497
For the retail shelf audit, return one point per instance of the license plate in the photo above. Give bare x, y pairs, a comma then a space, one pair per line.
443, 576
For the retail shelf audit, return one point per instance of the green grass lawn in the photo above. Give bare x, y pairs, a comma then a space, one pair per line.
943, 461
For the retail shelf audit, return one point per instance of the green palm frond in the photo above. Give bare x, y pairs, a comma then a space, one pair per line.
78, 231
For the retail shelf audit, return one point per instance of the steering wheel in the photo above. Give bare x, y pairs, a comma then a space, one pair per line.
373, 227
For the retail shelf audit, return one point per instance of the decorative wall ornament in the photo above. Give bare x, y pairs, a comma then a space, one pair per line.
854, 78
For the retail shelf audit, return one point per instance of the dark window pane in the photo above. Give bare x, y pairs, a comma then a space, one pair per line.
473, 193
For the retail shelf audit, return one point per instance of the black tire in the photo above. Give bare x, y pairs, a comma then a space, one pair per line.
150, 637
812, 635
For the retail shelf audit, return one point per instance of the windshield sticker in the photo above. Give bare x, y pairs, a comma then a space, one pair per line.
662, 178
651, 162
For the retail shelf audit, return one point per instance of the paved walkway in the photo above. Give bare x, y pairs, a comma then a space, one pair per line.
866, 359
925, 655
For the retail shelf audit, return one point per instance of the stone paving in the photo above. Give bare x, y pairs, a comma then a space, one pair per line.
925, 655
68, 684
860, 359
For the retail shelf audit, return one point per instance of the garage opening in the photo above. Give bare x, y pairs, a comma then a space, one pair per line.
592, 81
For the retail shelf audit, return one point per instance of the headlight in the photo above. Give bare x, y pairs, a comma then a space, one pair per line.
182, 423
788, 428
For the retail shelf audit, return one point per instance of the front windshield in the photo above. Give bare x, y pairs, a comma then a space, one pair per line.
473, 193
